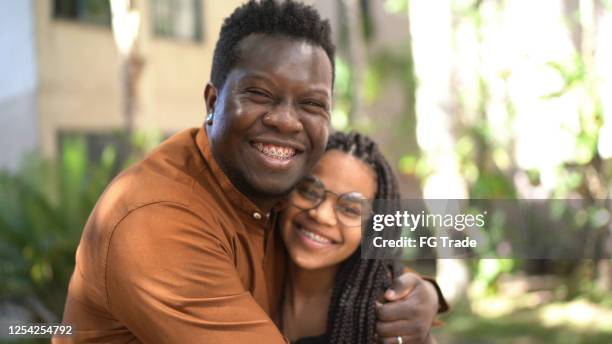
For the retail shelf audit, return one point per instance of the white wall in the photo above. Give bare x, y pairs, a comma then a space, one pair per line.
18, 128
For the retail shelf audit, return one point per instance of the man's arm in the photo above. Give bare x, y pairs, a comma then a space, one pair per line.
410, 310
171, 281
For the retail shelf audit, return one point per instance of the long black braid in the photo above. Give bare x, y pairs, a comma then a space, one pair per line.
360, 282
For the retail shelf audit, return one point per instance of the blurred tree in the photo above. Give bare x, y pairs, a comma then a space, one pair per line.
126, 28
481, 71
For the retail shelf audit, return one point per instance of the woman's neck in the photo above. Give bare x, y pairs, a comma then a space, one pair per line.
306, 283
307, 299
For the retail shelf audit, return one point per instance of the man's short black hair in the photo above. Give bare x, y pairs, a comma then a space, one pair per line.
287, 18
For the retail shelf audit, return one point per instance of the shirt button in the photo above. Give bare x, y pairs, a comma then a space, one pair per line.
257, 216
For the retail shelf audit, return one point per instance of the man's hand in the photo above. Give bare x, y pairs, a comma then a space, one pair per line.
411, 307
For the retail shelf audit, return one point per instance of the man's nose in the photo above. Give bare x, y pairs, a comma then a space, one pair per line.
284, 118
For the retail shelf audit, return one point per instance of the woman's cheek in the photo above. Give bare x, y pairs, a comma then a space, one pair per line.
353, 238
285, 224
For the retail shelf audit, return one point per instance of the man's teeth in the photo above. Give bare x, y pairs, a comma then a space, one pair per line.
314, 237
275, 151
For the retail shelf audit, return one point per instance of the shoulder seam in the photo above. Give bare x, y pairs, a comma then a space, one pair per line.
108, 305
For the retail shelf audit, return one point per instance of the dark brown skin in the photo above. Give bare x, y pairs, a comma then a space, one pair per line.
281, 93
409, 312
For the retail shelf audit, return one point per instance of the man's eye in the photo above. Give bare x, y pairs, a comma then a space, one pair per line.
258, 93
313, 103
315, 107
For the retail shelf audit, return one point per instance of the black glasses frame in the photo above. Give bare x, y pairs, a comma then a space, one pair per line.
324, 198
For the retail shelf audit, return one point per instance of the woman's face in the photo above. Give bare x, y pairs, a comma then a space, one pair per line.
319, 237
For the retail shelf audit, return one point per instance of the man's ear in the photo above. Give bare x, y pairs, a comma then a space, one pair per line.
210, 97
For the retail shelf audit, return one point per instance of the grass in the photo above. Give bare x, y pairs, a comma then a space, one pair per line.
576, 322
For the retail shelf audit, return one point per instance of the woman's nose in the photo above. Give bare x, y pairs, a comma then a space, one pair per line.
324, 213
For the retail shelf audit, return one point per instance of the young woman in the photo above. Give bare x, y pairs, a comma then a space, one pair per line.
321, 229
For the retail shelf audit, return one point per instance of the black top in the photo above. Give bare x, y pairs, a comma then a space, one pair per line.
322, 339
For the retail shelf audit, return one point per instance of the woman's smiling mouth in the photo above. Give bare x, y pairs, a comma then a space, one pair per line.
313, 239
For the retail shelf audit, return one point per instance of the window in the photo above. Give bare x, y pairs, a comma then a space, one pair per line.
96, 142
180, 19
88, 11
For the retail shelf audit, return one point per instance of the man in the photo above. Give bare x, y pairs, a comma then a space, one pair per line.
180, 247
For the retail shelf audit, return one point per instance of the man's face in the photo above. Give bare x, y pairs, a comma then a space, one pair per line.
272, 116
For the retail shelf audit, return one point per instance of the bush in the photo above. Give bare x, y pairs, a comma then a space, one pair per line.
43, 208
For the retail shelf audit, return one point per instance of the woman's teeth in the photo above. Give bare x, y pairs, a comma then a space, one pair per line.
314, 237
278, 152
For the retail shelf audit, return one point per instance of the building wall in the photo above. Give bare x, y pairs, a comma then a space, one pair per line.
79, 71
17, 89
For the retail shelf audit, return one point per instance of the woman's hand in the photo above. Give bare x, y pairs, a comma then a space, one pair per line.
410, 310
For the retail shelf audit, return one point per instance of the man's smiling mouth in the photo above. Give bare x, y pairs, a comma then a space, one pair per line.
274, 151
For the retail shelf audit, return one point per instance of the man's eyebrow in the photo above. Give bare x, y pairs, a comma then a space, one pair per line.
257, 76
320, 90
250, 76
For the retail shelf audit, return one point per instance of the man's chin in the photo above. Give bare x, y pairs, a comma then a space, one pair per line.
268, 190
274, 185
273, 190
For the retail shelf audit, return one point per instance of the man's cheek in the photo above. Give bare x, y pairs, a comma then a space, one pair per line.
321, 136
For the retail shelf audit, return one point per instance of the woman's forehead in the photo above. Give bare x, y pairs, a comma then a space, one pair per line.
341, 173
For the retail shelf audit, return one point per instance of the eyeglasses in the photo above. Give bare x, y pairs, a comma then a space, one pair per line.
311, 192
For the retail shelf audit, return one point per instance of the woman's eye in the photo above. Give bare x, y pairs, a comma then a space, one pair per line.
350, 210
312, 195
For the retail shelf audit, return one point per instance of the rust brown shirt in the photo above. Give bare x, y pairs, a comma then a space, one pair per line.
173, 253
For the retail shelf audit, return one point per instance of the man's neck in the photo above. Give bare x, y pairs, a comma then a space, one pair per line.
266, 205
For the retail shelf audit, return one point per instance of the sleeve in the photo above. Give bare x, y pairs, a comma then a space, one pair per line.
171, 279
442, 304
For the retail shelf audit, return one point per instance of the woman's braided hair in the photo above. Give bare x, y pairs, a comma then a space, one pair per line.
360, 282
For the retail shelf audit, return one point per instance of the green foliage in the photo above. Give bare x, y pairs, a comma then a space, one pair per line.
572, 74
525, 326
486, 112
343, 90
396, 6
43, 209
488, 272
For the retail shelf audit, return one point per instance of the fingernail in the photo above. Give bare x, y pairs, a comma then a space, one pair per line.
390, 293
